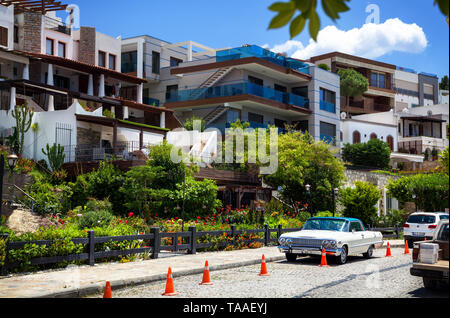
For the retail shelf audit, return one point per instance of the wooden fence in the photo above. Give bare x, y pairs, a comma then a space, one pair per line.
154, 246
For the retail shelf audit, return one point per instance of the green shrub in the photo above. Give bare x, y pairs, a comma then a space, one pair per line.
91, 219
374, 153
360, 202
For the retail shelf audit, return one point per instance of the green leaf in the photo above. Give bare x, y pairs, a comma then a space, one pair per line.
297, 26
329, 8
281, 6
303, 5
443, 6
281, 19
314, 24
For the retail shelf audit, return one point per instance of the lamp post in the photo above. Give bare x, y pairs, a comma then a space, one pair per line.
184, 194
335, 194
2, 171
308, 190
12, 161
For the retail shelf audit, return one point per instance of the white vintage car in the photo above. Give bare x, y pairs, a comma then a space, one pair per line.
339, 237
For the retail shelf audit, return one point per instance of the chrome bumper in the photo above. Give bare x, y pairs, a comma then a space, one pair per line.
309, 250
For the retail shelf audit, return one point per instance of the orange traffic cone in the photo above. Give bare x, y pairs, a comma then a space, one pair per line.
388, 251
323, 262
170, 290
206, 279
406, 248
107, 293
264, 271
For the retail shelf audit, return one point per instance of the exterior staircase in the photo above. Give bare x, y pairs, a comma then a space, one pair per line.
210, 82
215, 114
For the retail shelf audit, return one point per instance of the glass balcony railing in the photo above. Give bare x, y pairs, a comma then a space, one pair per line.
151, 101
242, 88
329, 107
257, 51
328, 139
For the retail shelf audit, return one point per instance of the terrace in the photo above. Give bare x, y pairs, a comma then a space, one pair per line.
237, 89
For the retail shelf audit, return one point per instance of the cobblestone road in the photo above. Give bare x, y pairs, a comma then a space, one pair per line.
379, 277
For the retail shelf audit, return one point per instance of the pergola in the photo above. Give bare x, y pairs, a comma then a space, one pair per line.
34, 5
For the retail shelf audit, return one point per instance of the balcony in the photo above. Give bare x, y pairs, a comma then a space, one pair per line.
257, 51
151, 101
329, 107
241, 88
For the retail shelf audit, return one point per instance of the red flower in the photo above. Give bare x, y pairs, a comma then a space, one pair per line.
198, 218
130, 214
126, 221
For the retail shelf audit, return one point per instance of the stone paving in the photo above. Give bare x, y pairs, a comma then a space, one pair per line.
79, 281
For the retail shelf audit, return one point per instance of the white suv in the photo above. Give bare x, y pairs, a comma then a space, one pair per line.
421, 225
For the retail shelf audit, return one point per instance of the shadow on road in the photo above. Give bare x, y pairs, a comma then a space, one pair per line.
331, 261
442, 292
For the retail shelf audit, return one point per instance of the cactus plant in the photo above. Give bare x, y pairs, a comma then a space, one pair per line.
56, 156
23, 116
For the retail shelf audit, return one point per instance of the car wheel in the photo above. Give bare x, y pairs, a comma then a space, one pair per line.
369, 253
430, 283
291, 257
342, 259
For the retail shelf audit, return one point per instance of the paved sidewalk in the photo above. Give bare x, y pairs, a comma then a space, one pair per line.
88, 280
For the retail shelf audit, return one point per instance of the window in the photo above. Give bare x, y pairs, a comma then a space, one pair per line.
49, 47
61, 81
172, 93
61, 49
255, 118
373, 136
112, 62
280, 123
175, 62
390, 141
301, 125
280, 88
156, 62
129, 62
356, 226
328, 133
3, 36
233, 115
356, 137
327, 100
300, 91
256, 81
16, 34
378, 80
101, 59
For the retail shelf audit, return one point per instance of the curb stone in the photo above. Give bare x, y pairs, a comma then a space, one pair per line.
136, 281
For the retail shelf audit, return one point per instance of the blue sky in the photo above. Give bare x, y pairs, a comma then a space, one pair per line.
232, 23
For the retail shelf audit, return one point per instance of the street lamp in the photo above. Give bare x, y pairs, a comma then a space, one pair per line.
308, 190
2, 171
335, 194
12, 161
415, 201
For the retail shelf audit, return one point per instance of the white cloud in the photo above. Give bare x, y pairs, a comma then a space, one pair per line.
370, 41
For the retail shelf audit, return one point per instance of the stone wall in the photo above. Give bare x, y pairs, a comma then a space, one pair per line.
88, 136
377, 179
32, 31
86, 52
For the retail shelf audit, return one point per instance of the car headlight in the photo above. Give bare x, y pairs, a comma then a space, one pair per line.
288, 241
329, 244
282, 241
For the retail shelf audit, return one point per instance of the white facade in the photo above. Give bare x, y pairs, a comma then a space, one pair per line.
382, 124
7, 21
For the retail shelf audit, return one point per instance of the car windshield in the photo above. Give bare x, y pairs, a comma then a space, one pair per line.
325, 225
422, 219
